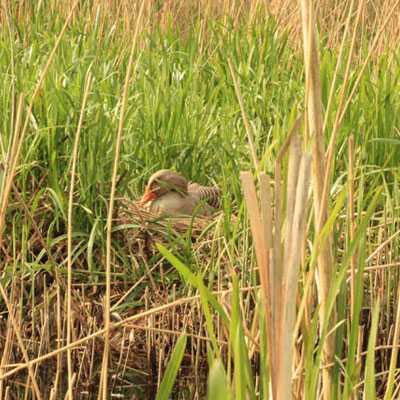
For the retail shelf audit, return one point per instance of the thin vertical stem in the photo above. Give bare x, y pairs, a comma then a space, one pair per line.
244, 116
103, 378
352, 221
69, 232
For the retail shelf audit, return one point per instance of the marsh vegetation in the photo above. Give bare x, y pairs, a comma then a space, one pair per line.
100, 299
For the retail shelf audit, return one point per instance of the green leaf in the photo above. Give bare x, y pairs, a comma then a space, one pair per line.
218, 386
172, 370
369, 387
208, 316
192, 279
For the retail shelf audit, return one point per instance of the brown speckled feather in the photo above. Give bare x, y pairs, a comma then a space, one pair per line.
212, 195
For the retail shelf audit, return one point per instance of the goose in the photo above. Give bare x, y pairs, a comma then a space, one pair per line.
169, 193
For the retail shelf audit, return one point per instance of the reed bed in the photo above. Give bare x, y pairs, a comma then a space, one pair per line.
291, 290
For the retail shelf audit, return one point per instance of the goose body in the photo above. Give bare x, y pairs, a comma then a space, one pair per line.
168, 193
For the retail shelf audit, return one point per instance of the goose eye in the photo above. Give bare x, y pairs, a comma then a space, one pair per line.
154, 187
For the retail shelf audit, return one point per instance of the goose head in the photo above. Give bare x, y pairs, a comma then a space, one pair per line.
163, 182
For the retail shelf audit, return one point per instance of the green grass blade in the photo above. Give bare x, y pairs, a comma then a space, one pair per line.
218, 386
192, 279
369, 386
168, 381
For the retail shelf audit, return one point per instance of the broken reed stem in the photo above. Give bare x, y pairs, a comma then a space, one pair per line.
69, 233
266, 218
293, 175
261, 236
244, 116
314, 110
290, 281
104, 370
280, 312
294, 162
276, 266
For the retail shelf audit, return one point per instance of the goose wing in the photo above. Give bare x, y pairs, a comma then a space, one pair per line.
199, 193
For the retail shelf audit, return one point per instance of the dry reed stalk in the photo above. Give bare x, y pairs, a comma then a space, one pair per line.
104, 370
276, 265
176, 332
69, 232
266, 217
281, 276
291, 272
54, 389
314, 111
68, 395
261, 235
6, 352
294, 163
280, 312
262, 229
352, 222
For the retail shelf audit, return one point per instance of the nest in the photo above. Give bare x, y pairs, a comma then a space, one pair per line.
137, 224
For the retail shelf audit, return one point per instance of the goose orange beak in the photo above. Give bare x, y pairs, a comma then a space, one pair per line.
148, 195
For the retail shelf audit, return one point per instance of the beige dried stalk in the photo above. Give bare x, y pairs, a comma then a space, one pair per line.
315, 127
69, 234
104, 371
280, 277
294, 162
352, 222
293, 242
262, 234
276, 263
